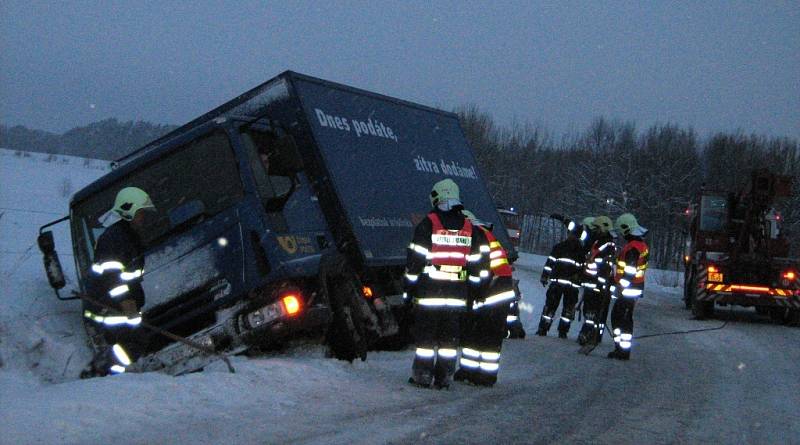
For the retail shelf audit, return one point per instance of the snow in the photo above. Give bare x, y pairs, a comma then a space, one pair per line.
734, 385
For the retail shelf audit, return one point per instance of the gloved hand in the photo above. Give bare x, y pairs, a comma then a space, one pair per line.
129, 308
544, 282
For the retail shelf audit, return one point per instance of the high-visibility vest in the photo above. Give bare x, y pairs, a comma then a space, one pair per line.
498, 258
449, 250
641, 263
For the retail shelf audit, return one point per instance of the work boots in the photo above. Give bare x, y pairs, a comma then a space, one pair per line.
544, 326
620, 354
421, 377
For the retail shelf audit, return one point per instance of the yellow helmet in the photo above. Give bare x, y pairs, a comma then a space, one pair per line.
626, 224
602, 224
445, 191
129, 200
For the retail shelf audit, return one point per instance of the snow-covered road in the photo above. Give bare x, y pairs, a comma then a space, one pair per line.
738, 384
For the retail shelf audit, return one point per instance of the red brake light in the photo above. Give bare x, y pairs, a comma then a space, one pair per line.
789, 275
712, 269
291, 303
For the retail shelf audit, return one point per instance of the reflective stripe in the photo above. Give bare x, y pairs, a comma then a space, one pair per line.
424, 353
128, 276
552, 258
546, 317
630, 270
610, 243
565, 319
617, 331
491, 356
469, 363
590, 322
419, 249
485, 249
511, 318
624, 282
121, 355
474, 279
470, 352
625, 344
117, 369
119, 290
494, 299
436, 274
452, 302
484, 274
108, 265
590, 285
626, 337
548, 268
498, 262
597, 261
601, 279
447, 353
474, 257
495, 254
412, 278
631, 292
568, 261
490, 367
591, 272
113, 320
457, 255
494, 244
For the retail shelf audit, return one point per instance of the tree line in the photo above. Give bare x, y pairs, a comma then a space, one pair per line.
613, 167
108, 139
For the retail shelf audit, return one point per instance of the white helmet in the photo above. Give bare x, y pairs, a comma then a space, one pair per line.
129, 201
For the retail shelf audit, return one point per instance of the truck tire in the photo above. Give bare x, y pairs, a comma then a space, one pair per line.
700, 309
778, 314
345, 336
688, 290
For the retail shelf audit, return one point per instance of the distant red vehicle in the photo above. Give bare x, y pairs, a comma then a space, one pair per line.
736, 253
511, 220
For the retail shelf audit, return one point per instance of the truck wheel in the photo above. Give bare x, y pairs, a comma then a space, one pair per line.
345, 336
700, 309
794, 317
688, 289
778, 314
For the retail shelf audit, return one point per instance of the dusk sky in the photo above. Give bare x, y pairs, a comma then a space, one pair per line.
714, 66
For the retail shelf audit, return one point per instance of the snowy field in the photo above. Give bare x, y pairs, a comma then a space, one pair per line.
738, 384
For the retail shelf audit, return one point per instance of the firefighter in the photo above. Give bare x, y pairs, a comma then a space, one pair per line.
562, 272
628, 283
446, 264
485, 322
598, 276
115, 283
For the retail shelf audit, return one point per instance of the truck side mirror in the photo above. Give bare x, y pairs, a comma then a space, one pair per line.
52, 265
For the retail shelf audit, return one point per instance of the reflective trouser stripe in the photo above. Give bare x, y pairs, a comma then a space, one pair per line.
467, 363
441, 302
447, 353
510, 318
424, 353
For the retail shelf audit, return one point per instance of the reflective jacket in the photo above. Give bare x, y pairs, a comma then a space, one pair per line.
116, 275
500, 287
631, 266
447, 260
599, 269
565, 264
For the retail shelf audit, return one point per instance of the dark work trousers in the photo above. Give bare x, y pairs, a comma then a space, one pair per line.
595, 311
622, 318
552, 299
482, 340
436, 329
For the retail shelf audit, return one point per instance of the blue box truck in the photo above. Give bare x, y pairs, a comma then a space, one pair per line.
285, 212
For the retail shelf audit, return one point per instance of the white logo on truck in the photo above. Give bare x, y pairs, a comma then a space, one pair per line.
369, 127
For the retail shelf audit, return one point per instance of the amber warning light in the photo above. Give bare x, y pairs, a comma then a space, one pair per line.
291, 303
790, 275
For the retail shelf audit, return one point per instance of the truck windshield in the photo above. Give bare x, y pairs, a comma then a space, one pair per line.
713, 213
204, 170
